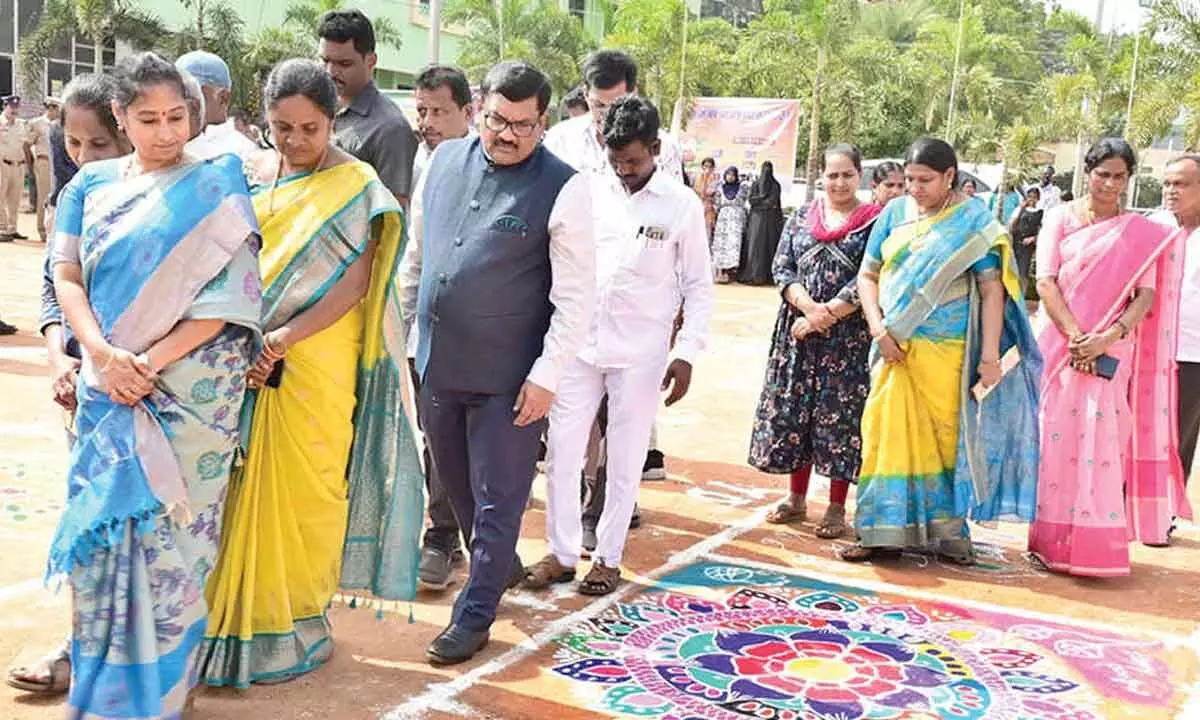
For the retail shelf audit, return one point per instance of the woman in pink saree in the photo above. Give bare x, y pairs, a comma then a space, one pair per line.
1110, 283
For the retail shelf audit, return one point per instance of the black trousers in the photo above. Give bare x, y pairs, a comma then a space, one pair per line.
486, 466
1189, 413
443, 531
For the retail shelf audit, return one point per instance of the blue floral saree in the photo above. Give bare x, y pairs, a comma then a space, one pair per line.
146, 484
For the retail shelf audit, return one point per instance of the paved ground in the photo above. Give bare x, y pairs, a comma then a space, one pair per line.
726, 617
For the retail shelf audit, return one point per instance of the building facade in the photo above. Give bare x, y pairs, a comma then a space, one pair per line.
396, 70
17, 19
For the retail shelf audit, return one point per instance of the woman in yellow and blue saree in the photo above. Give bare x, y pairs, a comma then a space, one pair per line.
331, 492
947, 433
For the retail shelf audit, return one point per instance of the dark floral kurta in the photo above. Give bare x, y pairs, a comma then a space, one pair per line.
812, 399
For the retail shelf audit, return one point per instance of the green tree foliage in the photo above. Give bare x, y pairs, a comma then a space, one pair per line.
100, 22
304, 16
536, 31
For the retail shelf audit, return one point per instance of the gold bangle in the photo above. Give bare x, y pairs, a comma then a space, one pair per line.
271, 352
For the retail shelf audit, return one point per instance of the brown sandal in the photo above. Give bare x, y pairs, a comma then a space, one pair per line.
787, 512
51, 675
546, 572
600, 580
857, 553
833, 525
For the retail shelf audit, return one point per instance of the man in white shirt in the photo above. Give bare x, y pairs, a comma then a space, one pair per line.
500, 274
1051, 196
220, 134
608, 75
579, 142
443, 98
1181, 200
658, 254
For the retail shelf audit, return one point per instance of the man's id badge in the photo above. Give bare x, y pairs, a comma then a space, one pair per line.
655, 237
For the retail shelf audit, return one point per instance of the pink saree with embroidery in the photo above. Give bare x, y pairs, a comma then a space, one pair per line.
1110, 470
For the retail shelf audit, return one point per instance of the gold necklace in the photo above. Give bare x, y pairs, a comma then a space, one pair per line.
279, 173
1092, 218
128, 172
942, 209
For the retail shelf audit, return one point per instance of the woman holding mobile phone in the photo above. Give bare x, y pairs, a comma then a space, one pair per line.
1110, 282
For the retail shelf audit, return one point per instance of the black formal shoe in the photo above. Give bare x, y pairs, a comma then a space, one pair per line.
456, 645
19, 236
5, 237
436, 564
6, 329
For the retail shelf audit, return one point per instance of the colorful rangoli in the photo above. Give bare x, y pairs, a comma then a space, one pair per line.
718, 641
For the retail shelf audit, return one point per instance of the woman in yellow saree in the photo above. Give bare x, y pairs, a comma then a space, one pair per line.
328, 437
940, 293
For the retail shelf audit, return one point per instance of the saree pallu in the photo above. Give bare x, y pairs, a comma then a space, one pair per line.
331, 492
1110, 470
933, 454
146, 484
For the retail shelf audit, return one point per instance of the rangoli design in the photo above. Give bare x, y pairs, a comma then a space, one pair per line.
720, 642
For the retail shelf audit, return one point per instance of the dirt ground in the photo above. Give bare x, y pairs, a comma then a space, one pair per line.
709, 510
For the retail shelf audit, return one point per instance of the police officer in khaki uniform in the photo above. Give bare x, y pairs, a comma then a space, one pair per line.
14, 154
39, 130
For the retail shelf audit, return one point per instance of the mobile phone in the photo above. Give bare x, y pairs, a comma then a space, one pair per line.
1106, 366
276, 376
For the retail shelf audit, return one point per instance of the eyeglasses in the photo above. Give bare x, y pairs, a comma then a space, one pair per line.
499, 123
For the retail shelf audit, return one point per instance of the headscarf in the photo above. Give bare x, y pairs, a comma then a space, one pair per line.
731, 189
766, 180
860, 218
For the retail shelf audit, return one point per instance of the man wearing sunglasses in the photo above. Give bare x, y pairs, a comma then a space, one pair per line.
500, 273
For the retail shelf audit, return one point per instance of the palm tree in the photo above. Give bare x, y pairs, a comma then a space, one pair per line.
899, 22
100, 21
305, 17
825, 20
536, 31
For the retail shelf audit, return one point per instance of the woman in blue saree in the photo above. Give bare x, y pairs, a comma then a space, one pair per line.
156, 273
947, 433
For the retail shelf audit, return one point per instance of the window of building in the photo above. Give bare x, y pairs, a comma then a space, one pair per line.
7, 30
28, 12
84, 55
578, 8
58, 74
6, 75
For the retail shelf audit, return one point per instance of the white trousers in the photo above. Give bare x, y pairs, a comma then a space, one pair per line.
633, 400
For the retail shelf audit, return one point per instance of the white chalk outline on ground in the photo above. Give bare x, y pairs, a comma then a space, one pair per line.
440, 696
875, 586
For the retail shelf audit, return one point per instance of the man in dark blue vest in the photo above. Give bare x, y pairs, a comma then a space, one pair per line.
501, 271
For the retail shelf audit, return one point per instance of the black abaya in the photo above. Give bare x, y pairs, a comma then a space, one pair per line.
762, 232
